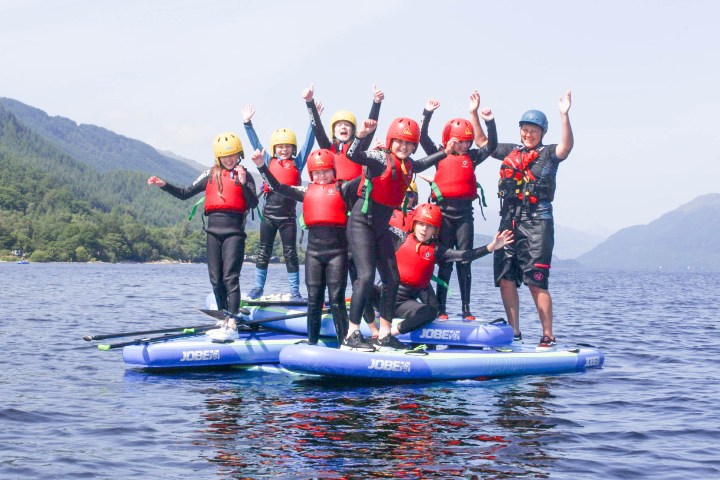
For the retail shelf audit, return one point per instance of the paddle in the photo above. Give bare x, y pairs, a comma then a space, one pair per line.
88, 338
214, 313
186, 333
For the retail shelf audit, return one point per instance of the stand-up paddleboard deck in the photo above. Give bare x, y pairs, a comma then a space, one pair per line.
451, 364
252, 348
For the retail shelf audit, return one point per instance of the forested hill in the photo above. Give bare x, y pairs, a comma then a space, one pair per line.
685, 238
98, 147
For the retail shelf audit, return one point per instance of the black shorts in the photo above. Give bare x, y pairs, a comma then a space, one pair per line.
528, 259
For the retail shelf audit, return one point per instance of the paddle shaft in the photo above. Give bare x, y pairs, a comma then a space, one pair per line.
88, 338
139, 341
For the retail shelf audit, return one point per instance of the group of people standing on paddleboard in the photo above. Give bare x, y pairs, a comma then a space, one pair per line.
361, 215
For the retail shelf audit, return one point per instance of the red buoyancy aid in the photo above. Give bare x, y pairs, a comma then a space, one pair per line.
285, 171
324, 205
232, 199
516, 175
455, 177
416, 262
389, 188
345, 169
400, 221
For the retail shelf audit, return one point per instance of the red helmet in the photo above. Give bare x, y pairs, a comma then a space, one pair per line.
403, 129
428, 213
322, 159
459, 128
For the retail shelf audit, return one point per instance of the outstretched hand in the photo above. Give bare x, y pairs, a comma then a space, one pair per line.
247, 112
501, 239
565, 102
258, 157
308, 93
474, 102
378, 95
432, 105
367, 127
158, 182
426, 178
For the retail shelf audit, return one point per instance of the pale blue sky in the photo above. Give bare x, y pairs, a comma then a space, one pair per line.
644, 76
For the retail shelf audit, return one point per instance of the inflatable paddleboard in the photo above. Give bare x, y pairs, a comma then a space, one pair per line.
451, 364
453, 332
252, 348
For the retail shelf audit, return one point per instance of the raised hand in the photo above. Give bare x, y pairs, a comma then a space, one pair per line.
565, 102
308, 93
247, 112
378, 95
451, 146
156, 181
320, 107
257, 157
432, 105
474, 101
367, 127
486, 114
241, 174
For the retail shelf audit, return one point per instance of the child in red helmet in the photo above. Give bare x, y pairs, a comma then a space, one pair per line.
454, 188
417, 252
229, 195
325, 207
287, 162
386, 177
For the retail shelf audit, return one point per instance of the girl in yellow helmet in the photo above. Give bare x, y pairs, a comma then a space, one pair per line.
285, 162
229, 195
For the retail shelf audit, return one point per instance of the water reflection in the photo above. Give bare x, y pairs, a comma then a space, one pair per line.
273, 427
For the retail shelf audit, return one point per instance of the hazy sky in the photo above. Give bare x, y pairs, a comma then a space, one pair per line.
644, 76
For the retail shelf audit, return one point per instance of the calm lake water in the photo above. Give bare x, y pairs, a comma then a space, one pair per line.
71, 411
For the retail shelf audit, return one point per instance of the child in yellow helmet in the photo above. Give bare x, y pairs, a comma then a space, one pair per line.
285, 162
229, 195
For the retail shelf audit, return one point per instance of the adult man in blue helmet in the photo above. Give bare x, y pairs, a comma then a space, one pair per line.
526, 190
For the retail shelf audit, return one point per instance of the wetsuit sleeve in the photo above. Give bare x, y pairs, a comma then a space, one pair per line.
478, 155
429, 161
502, 150
444, 255
374, 115
322, 138
425, 141
255, 141
304, 153
375, 160
398, 237
251, 199
184, 193
288, 191
349, 190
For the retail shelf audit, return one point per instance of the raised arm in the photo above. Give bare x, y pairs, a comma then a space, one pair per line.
304, 152
425, 141
248, 112
378, 97
291, 192
566, 136
480, 139
322, 138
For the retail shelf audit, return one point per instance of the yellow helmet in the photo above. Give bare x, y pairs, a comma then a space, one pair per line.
227, 143
342, 115
283, 136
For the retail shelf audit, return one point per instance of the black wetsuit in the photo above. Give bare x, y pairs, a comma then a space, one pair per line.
370, 240
458, 227
326, 261
225, 241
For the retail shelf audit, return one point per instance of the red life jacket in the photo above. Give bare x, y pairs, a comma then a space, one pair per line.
285, 171
455, 177
400, 221
389, 188
416, 262
345, 169
324, 205
516, 177
232, 199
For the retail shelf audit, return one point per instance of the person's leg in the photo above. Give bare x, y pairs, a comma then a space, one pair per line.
233, 253
390, 277
268, 231
536, 269
315, 283
336, 276
215, 271
288, 237
448, 239
465, 231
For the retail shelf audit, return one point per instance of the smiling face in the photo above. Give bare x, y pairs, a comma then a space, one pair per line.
323, 177
463, 146
229, 161
283, 151
402, 149
424, 231
530, 135
343, 130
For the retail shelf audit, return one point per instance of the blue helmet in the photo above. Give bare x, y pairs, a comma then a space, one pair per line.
535, 117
